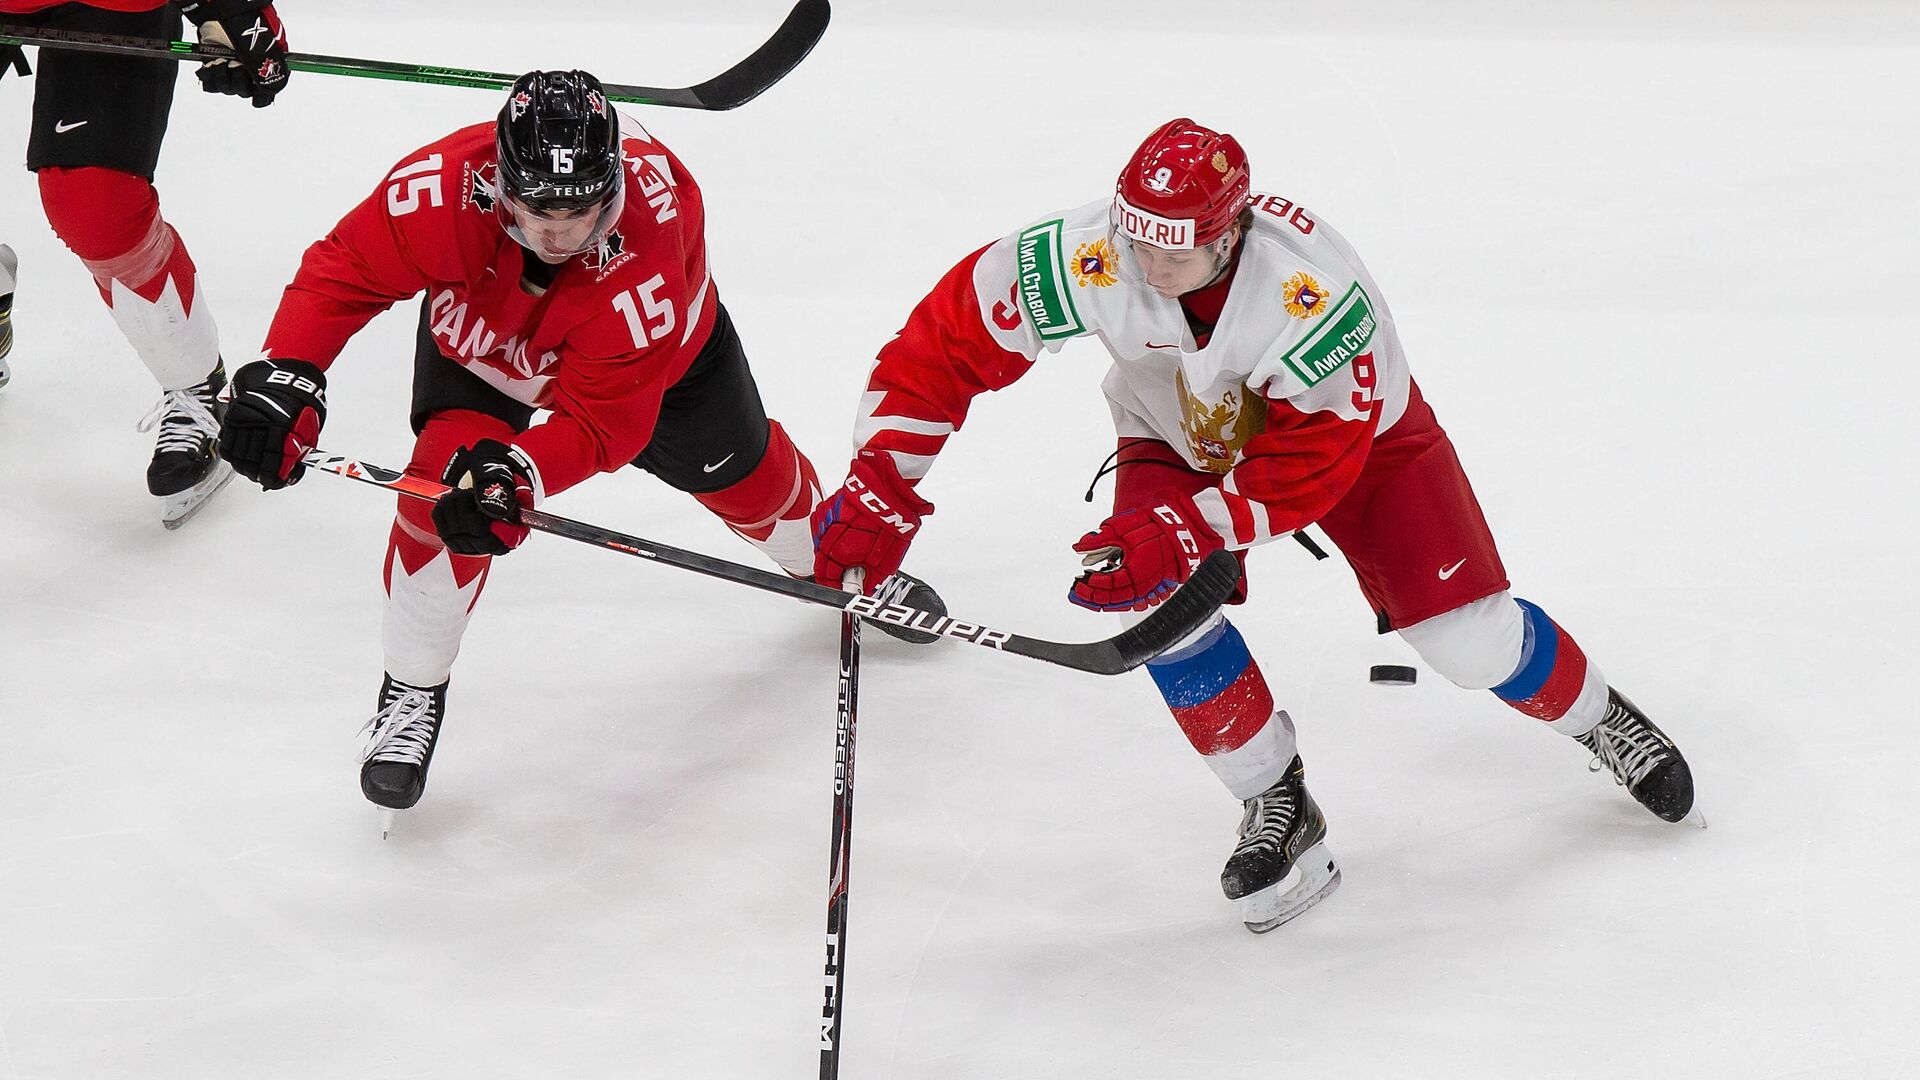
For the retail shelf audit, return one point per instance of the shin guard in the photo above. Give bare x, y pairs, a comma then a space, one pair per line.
1219, 697
431, 591
112, 221
1553, 680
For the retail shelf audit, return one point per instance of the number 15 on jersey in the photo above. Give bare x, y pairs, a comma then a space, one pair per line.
649, 317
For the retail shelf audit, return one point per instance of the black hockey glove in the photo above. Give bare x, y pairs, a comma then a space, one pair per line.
481, 516
252, 30
274, 418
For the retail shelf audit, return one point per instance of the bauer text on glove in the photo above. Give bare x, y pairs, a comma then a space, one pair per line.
274, 418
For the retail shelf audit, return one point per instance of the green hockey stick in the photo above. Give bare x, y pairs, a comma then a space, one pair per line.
730, 89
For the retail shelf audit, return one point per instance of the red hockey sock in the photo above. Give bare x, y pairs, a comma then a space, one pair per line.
769, 507
429, 602
414, 543
112, 221
1220, 699
1553, 680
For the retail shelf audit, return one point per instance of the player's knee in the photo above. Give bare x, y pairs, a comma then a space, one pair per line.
781, 484
102, 214
1475, 646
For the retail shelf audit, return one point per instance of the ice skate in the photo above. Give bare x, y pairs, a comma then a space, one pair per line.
1281, 866
186, 470
1643, 760
9, 266
400, 741
903, 588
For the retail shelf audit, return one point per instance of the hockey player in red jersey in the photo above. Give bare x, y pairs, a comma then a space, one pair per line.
562, 256
98, 121
1258, 387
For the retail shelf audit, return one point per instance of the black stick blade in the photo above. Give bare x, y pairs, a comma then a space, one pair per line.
769, 63
1186, 611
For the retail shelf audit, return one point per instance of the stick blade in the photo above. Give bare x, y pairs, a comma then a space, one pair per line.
1186, 611
771, 62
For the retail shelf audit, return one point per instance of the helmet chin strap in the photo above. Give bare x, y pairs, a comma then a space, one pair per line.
1223, 256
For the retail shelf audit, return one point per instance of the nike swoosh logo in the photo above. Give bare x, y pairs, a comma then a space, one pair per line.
1151, 345
717, 464
1448, 572
61, 128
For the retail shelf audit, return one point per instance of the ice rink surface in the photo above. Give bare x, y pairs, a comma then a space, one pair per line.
1653, 265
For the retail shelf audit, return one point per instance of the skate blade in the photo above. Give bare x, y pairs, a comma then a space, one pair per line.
1694, 818
387, 818
176, 509
1313, 876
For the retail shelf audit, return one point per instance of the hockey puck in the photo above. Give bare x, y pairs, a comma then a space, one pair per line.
1392, 674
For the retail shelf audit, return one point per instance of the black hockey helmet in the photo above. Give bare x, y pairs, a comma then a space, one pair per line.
559, 142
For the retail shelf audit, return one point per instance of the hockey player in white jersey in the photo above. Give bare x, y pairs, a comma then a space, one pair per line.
1258, 386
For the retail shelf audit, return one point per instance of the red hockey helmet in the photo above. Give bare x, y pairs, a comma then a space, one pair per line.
1182, 188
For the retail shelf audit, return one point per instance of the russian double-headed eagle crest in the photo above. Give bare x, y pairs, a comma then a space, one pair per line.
1217, 429
1303, 296
1093, 264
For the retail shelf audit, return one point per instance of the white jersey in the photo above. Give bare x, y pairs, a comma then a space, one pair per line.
1282, 397
1301, 309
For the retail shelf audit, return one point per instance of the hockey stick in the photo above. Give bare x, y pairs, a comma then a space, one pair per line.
840, 849
1174, 618
730, 89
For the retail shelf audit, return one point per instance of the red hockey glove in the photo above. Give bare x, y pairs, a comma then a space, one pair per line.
1140, 555
274, 418
252, 30
867, 523
481, 515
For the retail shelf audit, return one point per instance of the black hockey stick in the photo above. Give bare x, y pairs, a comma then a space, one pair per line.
840, 850
1174, 618
730, 89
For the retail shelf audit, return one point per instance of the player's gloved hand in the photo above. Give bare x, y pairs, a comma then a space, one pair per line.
253, 31
1139, 556
867, 523
481, 516
274, 418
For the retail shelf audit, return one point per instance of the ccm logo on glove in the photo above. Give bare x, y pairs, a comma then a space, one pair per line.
886, 514
1182, 534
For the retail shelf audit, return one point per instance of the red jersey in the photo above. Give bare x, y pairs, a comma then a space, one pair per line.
598, 347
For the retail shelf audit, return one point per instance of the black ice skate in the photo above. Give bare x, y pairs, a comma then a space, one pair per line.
8, 267
186, 469
1281, 866
1641, 758
400, 741
903, 588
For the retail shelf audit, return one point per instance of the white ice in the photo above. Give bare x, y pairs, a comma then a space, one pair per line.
1653, 263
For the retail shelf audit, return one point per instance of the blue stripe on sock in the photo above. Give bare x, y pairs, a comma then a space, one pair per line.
1536, 656
1199, 673
1207, 641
